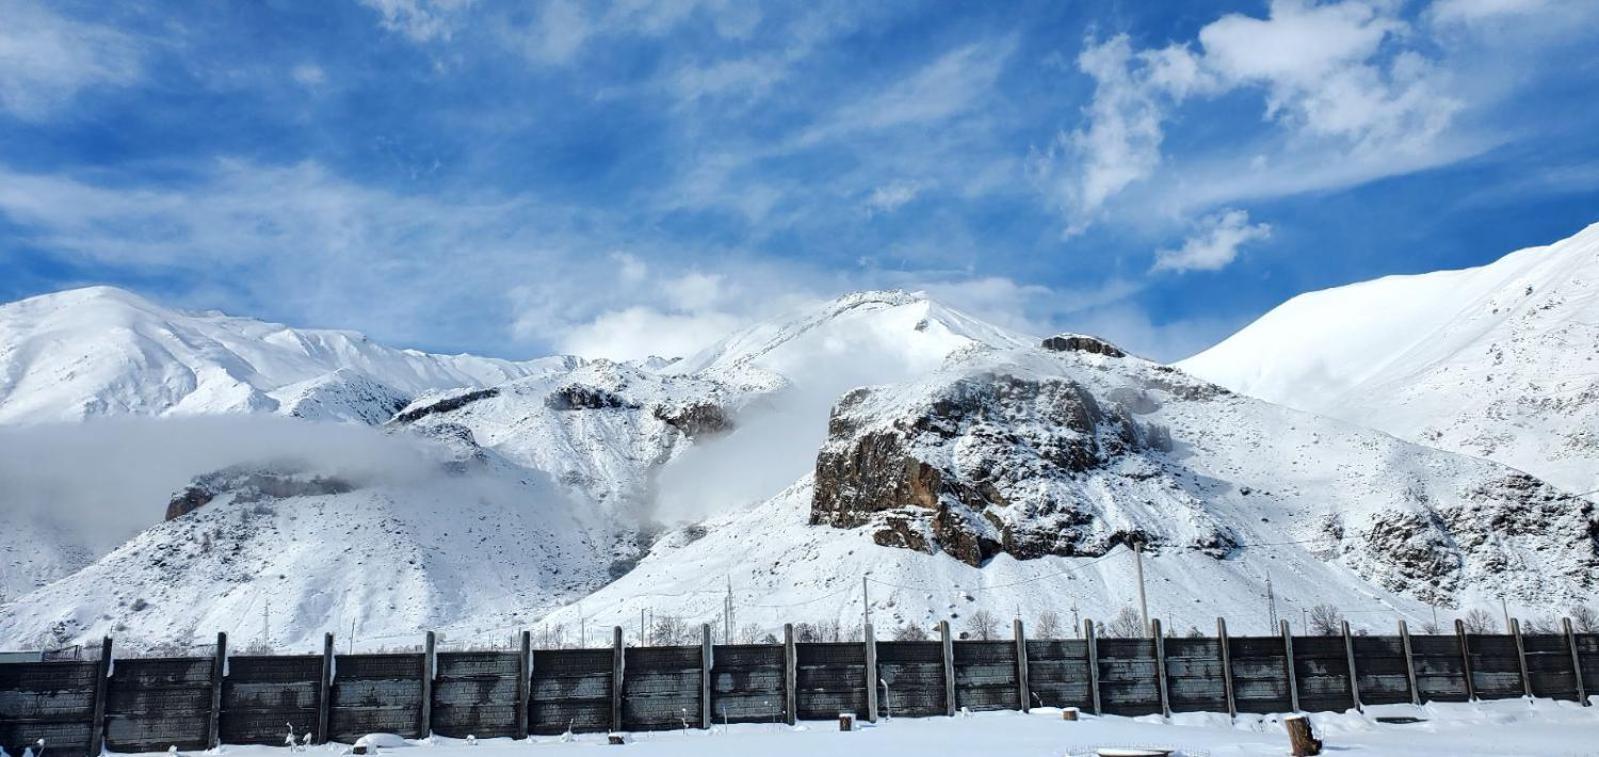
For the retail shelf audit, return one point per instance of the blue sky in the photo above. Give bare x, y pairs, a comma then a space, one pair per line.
628, 177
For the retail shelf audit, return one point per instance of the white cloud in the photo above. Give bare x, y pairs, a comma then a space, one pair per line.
1214, 245
561, 30
640, 332
1345, 81
892, 196
420, 20
309, 75
1480, 11
46, 59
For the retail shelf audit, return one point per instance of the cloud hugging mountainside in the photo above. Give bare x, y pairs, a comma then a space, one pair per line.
953, 463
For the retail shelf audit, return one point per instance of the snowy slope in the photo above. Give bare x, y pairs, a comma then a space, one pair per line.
102, 351
1242, 489
1500, 361
445, 537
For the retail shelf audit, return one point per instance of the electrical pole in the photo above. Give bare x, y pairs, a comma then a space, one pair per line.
1077, 623
641, 626
1271, 603
1506, 608
266, 626
727, 614
1143, 602
866, 607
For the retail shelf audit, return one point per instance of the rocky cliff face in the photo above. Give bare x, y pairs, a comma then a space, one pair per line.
962, 473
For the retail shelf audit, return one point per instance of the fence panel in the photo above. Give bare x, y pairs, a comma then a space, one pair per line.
1321, 669
1380, 669
661, 688
53, 701
747, 683
153, 704
475, 693
1439, 677
1260, 678
830, 678
1194, 680
914, 672
262, 697
1127, 678
571, 691
376, 693
985, 675
1058, 673
1549, 667
1495, 667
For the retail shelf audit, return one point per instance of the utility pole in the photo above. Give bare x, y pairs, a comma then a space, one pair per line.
1271, 603
352, 636
866, 607
1077, 623
582, 628
1506, 608
1143, 602
727, 614
266, 625
641, 626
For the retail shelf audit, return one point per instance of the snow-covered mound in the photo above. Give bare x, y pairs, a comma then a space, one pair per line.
1012, 480
448, 537
1500, 361
102, 351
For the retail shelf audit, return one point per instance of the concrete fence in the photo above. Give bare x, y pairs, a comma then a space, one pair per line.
138, 705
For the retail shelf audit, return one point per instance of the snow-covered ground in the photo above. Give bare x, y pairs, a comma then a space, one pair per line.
1501, 728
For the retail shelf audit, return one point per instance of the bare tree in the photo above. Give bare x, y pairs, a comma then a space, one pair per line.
1479, 621
1325, 620
1047, 626
807, 633
910, 632
748, 633
1539, 626
1125, 625
1430, 628
982, 625
1584, 619
671, 631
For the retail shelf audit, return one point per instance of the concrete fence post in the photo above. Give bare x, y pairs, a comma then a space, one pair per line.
1288, 665
870, 639
1410, 663
1465, 659
219, 670
524, 683
707, 660
429, 673
1092, 653
618, 662
948, 646
790, 673
1024, 684
1576, 661
1521, 657
1160, 666
1354, 675
102, 676
1226, 667
324, 700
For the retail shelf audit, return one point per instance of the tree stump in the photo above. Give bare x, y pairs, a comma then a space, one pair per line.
846, 721
1070, 713
616, 739
1301, 741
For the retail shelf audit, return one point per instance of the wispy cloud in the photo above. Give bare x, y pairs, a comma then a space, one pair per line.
1214, 244
46, 58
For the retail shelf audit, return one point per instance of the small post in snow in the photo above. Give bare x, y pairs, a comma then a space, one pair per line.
790, 669
101, 685
1465, 659
1521, 657
1024, 684
1576, 661
1160, 667
1226, 667
1092, 651
1288, 664
1354, 676
219, 668
706, 661
948, 646
524, 683
870, 639
429, 645
1410, 663
324, 700
618, 662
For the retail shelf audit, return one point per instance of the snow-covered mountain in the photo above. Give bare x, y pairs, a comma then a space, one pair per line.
101, 351
955, 465
1014, 480
1499, 361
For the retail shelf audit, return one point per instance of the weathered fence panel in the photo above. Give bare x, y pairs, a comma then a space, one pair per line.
830, 678
914, 674
154, 704
985, 675
262, 697
1495, 670
53, 701
747, 683
1058, 672
1321, 670
661, 688
571, 691
1194, 680
1380, 670
1549, 667
1128, 684
1260, 674
376, 693
1439, 676
475, 693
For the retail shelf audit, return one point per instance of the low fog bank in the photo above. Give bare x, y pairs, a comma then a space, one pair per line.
103, 481
775, 439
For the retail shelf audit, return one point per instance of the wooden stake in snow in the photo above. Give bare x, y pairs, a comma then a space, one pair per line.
1070, 713
1301, 742
846, 721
